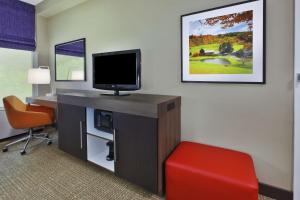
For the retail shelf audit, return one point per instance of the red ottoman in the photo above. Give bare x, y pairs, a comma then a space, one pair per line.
201, 172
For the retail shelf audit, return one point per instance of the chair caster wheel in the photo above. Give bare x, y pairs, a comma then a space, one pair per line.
23, 152
49, 142
5, 149
47, 136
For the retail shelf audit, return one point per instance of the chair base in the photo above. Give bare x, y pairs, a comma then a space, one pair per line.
31, 136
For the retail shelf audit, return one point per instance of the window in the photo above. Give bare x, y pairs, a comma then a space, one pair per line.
14, 65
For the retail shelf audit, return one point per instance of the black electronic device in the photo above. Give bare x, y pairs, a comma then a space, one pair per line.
103, 121
110, 155
118, 71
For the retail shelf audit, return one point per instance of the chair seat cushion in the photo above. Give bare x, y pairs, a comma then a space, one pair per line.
197, 171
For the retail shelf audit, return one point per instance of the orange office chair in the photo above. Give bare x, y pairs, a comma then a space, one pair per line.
22, 116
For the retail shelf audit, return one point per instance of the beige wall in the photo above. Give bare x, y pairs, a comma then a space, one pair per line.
256, 119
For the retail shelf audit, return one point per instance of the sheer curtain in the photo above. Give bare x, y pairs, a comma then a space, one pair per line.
17, 32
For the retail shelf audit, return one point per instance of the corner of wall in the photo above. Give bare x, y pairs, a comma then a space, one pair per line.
41, 56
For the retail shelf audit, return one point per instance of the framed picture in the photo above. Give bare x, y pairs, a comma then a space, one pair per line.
225, 44
70, 61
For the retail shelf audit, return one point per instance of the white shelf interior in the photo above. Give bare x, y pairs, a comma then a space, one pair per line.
97, 152
91, 128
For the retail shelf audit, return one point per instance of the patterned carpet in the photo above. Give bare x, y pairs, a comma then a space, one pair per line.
45, 172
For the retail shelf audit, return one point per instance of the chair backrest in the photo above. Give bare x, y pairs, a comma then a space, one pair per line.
12, 104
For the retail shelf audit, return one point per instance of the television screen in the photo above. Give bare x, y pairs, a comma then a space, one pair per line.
117, 70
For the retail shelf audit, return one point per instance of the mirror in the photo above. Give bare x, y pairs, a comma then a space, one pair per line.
70, 61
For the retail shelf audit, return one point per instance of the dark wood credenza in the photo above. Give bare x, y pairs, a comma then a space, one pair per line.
146, 131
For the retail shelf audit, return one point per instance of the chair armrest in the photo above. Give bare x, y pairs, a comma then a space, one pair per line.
42, 109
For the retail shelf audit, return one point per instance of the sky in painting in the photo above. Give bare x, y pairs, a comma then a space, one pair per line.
198, 28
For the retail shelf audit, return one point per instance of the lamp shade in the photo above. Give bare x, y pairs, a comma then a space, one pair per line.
77, 75
39, 75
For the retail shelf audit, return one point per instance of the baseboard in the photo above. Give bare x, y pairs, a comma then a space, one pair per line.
19, 135
274, 192
13, 137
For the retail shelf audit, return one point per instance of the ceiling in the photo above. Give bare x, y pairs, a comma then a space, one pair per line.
33, 2
49, 8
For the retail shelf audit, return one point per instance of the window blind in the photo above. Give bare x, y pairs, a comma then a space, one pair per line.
17, 25
72, 49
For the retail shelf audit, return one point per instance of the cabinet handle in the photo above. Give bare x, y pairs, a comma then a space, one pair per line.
81, 146
115, 144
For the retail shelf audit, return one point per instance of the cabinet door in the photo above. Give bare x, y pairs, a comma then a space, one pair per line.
136, 149
72, 130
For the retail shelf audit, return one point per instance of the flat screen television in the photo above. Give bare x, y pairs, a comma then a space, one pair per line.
118, 71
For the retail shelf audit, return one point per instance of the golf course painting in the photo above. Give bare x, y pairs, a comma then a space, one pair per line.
224, 44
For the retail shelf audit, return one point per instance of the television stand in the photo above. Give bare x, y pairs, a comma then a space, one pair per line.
116, 93
146, 129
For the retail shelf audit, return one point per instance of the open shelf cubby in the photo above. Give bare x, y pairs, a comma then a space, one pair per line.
97, 150
91, 128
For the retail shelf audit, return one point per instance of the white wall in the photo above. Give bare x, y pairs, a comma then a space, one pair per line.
6, 130
42, 50
256, 119
297, 105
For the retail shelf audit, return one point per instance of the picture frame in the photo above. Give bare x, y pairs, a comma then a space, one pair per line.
225, 44
70, 61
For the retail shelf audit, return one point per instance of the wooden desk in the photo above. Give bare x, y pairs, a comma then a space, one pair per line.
49, 101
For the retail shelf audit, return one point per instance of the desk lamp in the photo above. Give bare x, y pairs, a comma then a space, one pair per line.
39, 76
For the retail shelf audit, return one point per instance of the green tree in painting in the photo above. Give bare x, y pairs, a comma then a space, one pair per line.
226, 48
202, 52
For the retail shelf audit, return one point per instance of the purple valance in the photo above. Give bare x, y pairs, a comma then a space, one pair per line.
76, 48
17, 25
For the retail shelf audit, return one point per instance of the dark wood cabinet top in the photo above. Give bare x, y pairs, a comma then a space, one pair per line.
138, 104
